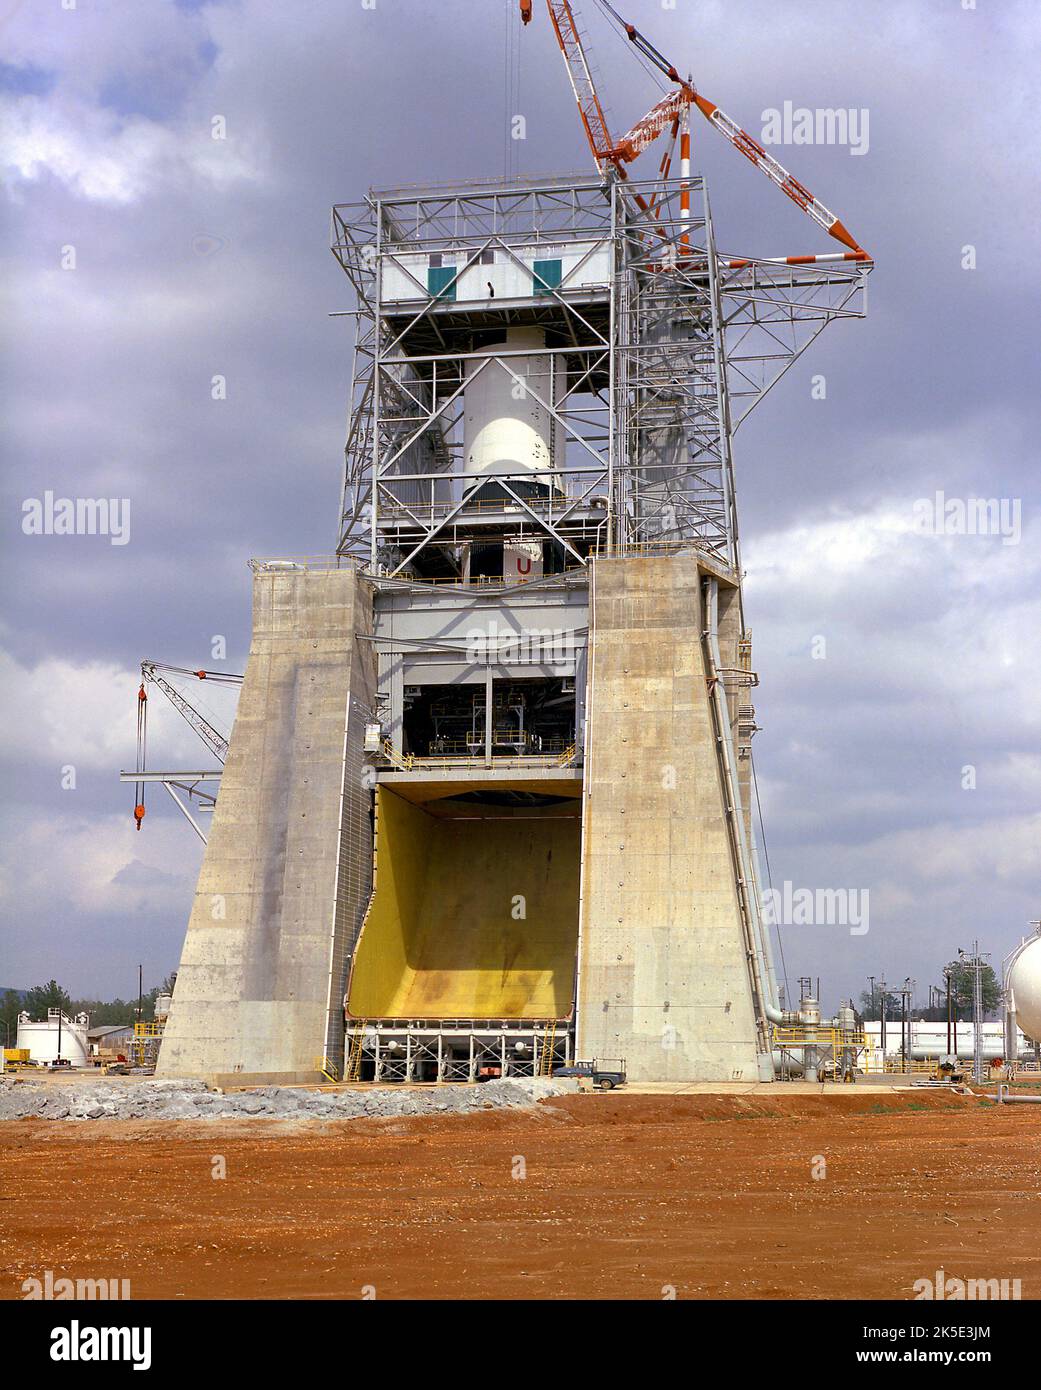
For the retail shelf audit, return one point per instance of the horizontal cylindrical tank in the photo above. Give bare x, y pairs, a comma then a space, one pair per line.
509, 427
787, 1063
42, 1039
929, 1040
1024, 985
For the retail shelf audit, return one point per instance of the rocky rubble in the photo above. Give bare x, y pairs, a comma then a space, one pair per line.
150, 1099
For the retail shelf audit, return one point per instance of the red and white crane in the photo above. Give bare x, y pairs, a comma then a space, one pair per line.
156, 673
672, 113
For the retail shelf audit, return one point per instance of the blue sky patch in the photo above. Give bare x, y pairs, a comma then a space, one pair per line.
26, 81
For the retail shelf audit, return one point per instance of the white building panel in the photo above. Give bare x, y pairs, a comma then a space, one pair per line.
584, 265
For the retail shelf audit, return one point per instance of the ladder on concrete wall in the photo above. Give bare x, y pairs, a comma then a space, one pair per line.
546, 1051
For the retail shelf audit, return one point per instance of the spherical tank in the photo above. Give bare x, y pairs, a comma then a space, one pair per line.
1025, 983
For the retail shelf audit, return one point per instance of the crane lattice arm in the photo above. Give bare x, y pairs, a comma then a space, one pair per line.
215, 741
589, 108
777, 173
671, 108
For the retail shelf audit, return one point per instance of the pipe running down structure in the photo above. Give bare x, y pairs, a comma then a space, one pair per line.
807, 1018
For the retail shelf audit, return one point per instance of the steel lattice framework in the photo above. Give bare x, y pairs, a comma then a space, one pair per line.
662, 359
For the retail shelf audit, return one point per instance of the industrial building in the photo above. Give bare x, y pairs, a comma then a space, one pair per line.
487, 801
110, 1041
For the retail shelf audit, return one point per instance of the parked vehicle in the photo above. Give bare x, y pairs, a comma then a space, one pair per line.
605, 1073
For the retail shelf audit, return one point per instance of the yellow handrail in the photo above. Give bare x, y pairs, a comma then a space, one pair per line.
818, 1037
402, 760
408, 762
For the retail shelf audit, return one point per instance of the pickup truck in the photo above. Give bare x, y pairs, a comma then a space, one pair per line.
605, 1073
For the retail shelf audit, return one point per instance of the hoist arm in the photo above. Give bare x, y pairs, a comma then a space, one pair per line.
668, 110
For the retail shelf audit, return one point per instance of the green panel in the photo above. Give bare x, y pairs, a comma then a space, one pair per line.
547, 275
439, 281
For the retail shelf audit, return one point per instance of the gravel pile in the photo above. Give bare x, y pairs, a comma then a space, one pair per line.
102, 1099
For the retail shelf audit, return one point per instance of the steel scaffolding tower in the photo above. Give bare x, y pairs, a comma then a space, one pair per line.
660, 348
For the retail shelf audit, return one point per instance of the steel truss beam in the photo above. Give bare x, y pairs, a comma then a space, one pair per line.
186, 783
458, 1050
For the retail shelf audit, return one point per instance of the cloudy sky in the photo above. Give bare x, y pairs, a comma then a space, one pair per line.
142, 257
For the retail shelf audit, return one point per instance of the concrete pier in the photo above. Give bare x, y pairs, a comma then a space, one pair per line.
663, 979
287, 870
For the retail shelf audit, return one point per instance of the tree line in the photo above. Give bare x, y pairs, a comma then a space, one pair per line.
38, 1000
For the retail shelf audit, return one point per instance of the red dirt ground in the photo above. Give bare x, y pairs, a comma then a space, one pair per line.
623, 1197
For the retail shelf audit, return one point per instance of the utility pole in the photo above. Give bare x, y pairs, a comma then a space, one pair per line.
871, 982
976, 963
947, 978
882, 1039
906, 995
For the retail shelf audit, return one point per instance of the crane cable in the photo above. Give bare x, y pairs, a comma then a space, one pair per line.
214, 677
142, 739
507, 89
651, 71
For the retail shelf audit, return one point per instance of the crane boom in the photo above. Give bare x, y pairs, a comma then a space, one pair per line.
665, 113
589, 108
216, 742
777, 173
646, 131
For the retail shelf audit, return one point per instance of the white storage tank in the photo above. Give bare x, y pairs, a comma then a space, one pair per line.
42, 1038
1024, 986
930, 1040
508, 429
